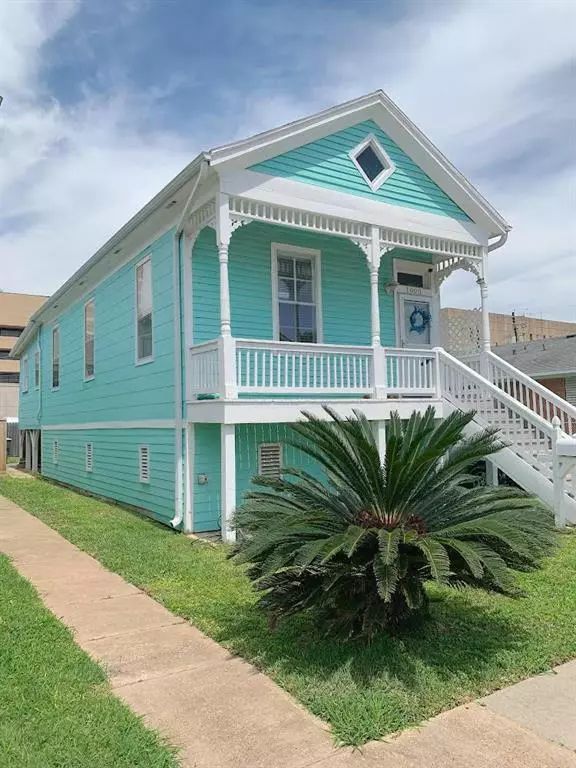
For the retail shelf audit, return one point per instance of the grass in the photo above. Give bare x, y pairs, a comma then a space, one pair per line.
473, 644
12, 460
56, 710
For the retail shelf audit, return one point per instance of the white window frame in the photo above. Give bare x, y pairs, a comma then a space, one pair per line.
141, 476
383, 156
280, 459
37, 368
55, 451
306, 253
89, 456
25, 373
55, 329
150, 358
426, 270
90, 303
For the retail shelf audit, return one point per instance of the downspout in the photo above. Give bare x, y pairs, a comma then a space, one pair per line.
178, 399
499, 243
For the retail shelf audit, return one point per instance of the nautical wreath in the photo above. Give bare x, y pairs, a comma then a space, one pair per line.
419, 319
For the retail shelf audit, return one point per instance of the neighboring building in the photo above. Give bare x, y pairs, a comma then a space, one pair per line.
297, 267
461, 329
15, 311
552, 362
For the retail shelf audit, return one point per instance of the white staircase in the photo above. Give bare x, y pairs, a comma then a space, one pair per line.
536, 424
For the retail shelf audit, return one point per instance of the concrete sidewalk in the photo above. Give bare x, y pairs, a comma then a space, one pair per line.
225, 714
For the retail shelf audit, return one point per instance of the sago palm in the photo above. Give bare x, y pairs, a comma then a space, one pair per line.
357, 544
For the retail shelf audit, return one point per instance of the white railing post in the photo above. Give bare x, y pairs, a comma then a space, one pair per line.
437, 372
485, 341
379, 372
557, 477
227, 367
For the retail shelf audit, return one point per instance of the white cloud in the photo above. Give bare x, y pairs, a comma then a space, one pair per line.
467, 73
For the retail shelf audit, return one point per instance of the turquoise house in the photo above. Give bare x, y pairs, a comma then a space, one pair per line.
293, 268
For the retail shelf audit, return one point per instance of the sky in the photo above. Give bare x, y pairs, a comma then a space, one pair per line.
106, 100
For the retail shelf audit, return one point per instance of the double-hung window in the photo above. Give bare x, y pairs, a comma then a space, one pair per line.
144, 333
89, 339
25, 373
37, 369
297, 280
55, 357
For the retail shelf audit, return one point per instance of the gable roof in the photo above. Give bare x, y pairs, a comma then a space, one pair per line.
376, 106
380, 108
543, 357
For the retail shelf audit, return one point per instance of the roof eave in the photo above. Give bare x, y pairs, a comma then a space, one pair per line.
156, 202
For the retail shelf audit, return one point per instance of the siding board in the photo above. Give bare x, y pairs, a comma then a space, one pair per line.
325, 163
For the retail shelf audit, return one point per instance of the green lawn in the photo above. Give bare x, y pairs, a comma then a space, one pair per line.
473, 644
56, 710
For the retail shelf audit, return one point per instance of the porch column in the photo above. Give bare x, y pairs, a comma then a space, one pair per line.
379, 363
485, 333
374, 267
27, 438
228, 480
34, 439
379, 429
227, 347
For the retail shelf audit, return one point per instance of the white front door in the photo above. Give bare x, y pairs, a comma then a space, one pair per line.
415, 317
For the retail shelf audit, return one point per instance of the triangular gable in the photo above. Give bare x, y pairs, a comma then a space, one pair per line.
326, 162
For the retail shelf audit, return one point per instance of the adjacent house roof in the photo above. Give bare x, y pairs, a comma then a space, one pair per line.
545, 357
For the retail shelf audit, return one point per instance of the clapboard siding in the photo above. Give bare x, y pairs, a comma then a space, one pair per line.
326, 163
249, 437
115, 473
571, 389
120, 390
206, 462
345, 285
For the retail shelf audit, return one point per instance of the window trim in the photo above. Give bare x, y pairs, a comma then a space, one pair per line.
25, 374
150, 359
90, 302
145, 479
316, 256
37, 369
55, 328
422, 268
384, 157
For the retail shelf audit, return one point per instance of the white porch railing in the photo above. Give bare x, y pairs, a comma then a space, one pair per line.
286, 368
204, 369
532, 394
530, 435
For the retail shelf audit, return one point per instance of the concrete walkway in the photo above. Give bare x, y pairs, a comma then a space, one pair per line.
225, 714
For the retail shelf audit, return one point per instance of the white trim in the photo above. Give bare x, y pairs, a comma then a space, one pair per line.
37, 356
316, 256
269, 411
25, 373
188, 523
144, 464
379, 107
150, 424
91, 301
227, 481
280, 191
139, 263
388, 166
89, 456
55, 327
425, 269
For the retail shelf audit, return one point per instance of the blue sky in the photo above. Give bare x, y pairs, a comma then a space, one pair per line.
106, 100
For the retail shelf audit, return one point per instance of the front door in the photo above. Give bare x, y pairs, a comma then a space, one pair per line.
415, 317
